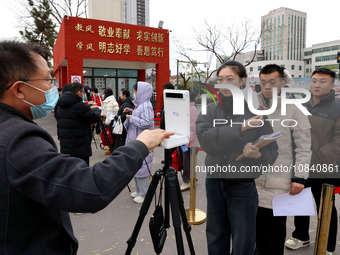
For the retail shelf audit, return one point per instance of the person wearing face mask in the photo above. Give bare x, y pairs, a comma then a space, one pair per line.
38, 185
87, 97
74, 119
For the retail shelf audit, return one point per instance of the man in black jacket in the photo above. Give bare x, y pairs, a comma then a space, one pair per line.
325, 133
125, 102
38, 185
161, 112
74, 122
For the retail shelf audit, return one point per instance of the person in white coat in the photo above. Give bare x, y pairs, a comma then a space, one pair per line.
294, 149
110, 106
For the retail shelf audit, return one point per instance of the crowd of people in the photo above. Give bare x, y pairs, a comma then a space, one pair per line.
47, 184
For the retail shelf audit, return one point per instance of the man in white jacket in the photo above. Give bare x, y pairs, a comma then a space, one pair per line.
270, 230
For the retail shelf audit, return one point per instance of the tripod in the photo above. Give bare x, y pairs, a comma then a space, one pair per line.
174, 198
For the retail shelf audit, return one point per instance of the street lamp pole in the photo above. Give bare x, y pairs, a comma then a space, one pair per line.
177, 74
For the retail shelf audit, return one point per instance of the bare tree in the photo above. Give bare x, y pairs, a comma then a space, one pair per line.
75, 8
60, 8
211, 40
193, 63
188, 59
185, 80
234, 38
220, 40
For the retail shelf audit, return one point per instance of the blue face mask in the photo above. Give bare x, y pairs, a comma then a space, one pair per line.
40, 111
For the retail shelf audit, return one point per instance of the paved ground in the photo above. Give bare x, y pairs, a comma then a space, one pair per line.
106, 232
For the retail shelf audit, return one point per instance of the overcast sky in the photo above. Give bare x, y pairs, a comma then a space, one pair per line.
183, 16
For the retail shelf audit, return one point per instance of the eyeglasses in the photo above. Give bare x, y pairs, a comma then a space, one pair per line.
51, 82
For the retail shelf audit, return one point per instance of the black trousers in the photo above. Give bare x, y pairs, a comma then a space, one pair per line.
301, 223
270, 232
184, 159
86, 159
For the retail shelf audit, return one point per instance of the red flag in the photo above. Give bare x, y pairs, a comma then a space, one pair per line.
337, 190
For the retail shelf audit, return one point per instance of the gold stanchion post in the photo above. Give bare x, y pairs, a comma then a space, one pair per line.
195, 216
324, 219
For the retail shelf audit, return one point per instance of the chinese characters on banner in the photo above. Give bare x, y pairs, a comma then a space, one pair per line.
122, 47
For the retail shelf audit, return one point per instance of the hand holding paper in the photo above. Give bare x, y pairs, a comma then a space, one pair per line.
262, 142
297, 205
251, 151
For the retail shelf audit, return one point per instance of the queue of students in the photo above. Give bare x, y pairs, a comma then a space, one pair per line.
240, 218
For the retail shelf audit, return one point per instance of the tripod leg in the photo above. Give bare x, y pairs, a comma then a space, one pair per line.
143, 211
173, 199
166, 205
186, 225
167, 165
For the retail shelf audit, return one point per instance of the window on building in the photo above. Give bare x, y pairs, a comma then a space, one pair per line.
326, 58
251, 69
259, 68
127, 73
87, 71
300, 68
293, 67
104, 72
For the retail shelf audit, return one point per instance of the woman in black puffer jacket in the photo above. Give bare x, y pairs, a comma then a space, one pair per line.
231, 195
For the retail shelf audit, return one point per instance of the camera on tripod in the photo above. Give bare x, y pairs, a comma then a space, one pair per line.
177, 120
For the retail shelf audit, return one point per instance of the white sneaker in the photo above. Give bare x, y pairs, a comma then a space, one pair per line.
134, 194
185, 186
138, 200
294, 243
330, 253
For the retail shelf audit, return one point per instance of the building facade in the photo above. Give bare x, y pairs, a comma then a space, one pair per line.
283, 42
321, 55
294, 67
135, 12
283, 34
105, 54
